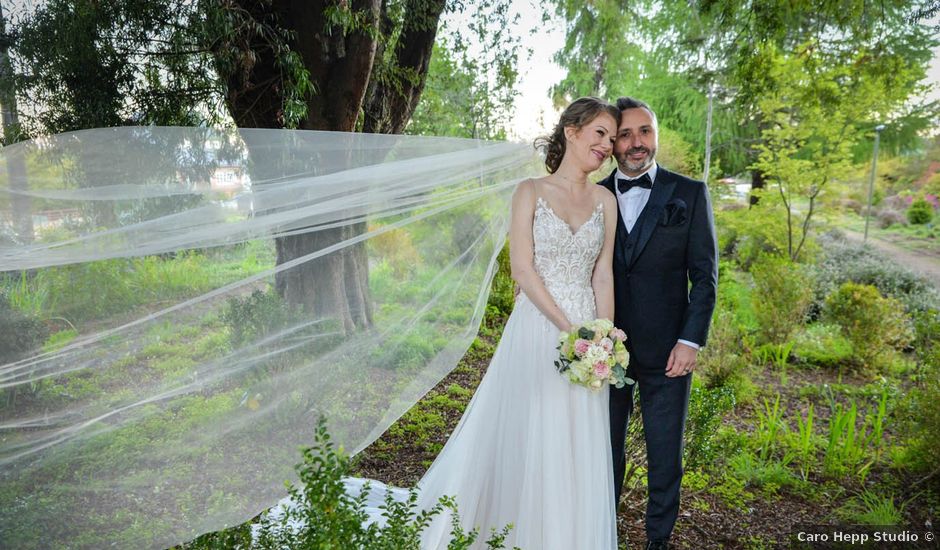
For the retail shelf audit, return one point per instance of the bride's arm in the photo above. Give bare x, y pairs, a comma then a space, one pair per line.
602, 280
522, 255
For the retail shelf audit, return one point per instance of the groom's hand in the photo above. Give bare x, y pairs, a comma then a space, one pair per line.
681, 360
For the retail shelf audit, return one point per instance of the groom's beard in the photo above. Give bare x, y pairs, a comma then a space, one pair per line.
636, 166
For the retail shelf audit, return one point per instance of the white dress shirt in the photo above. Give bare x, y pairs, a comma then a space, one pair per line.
632, 204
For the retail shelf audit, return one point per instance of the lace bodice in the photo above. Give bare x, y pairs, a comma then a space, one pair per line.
564, 258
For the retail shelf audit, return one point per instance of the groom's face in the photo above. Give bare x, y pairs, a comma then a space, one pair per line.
635, 147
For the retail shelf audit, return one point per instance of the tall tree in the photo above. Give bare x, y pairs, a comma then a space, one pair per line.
673, 54
471, 82
815, 112
12, 133
327, 65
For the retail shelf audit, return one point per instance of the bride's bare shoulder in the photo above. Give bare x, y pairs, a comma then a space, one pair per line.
525, 190
603, 195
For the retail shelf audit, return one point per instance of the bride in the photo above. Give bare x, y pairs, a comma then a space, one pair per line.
533, 449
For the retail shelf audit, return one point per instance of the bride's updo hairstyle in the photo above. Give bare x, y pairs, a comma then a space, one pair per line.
577, 114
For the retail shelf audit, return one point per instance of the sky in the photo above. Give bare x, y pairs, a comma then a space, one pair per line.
534, 114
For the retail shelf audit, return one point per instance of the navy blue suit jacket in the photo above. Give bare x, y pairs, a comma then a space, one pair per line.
665, 270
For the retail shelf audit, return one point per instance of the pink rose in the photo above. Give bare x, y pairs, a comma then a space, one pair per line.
601, 369
581, 346
607, 344
618, 334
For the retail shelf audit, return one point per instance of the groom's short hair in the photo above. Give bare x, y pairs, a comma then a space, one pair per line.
624, 103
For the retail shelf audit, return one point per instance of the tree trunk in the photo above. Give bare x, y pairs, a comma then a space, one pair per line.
758, 181
339, 64
392, 98
21, 204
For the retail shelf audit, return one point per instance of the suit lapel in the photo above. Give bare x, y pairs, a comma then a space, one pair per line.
646, 223
620, 241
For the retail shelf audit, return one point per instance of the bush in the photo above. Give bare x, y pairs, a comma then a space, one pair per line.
256, 316
782, 296
852, 204
502, 291
888, 217
745, 235
920, 212
20, 332
395, 246
822, 345
723, 361
706, 409
920, 426
847, 262
874, 324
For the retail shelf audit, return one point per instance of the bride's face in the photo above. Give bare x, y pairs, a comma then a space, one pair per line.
590, 145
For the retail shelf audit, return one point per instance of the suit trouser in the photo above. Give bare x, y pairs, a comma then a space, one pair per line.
664, 405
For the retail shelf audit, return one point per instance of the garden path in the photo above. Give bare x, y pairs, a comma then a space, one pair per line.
921, 262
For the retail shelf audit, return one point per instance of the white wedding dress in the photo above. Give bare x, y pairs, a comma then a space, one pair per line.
532, 449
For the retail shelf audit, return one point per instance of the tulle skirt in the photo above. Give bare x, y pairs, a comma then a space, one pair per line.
532, 450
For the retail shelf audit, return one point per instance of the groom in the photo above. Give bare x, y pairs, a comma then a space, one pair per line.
665, 279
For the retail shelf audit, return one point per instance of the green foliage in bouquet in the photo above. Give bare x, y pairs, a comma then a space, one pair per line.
593, 354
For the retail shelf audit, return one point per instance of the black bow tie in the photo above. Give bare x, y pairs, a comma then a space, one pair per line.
644, 181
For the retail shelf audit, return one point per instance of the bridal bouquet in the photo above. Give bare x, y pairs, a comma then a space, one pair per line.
593, 355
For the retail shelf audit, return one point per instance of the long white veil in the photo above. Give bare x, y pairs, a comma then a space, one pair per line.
180, 305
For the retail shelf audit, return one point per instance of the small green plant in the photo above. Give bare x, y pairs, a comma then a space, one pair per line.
777, 355
256, 316
722, 360
920, 212
852, 450
770, 428
844, 451
805, 443
870, 508
325, 516
768, 474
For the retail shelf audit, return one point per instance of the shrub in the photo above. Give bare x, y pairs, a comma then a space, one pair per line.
502, 291
395, 246
844, 262
888, 217
782, 296
822, 345
874, 324
745, 235
706, 409
852, 204
920, 212
723, 361
256, 316
19, 332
